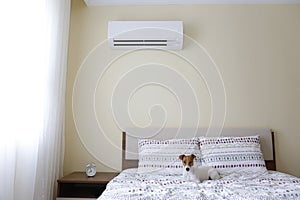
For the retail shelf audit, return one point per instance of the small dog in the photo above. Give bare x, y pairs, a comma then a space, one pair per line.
197, 174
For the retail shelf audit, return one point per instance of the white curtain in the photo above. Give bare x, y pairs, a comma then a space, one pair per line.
33, 49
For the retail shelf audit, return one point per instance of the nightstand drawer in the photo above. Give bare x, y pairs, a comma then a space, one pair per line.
90, 190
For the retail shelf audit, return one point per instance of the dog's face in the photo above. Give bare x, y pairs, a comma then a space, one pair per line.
187, 161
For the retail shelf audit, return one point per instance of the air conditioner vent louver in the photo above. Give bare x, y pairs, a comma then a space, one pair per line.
144, 43
149, 34
140, 40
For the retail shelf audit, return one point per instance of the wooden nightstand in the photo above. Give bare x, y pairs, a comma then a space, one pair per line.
78, 185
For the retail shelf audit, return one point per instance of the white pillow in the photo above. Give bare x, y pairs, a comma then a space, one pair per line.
232, 154
162, 156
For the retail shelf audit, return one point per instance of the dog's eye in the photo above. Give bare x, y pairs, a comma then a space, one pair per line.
190, 163
184, 162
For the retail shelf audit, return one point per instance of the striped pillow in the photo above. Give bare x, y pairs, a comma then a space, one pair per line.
162, 156
232, 154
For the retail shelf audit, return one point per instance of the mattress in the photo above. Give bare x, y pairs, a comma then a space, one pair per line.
270, 185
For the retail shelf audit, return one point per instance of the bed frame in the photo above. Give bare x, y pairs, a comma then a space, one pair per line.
130, 160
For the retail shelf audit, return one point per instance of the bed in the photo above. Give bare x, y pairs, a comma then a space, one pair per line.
248, 179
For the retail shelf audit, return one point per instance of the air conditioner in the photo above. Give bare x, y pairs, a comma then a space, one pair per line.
145, 34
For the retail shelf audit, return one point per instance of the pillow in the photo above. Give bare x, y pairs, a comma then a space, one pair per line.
162, 156
232, 154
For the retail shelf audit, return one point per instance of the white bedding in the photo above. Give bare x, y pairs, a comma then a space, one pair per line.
270, 185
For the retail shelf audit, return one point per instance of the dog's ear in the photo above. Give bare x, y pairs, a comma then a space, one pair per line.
181, 157
193, 156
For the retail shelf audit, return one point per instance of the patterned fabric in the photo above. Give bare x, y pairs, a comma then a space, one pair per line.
271, 185
232, 154
162, 156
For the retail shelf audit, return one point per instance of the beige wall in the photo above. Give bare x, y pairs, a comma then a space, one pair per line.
256, 48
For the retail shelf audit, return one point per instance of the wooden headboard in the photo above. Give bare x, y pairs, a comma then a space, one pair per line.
130, 159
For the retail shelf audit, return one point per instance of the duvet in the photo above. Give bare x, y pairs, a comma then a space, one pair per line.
270, 185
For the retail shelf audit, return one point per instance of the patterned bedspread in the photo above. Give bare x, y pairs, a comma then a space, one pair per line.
270, 185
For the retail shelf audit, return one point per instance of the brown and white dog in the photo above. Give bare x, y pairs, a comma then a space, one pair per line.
197, 174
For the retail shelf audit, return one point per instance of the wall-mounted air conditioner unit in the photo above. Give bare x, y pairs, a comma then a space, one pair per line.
145, 34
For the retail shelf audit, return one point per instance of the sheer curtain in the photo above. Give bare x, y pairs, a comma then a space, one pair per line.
34, 38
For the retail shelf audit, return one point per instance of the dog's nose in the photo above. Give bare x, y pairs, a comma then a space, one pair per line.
187, 169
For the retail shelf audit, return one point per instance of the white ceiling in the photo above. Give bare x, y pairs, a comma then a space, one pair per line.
168, 2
